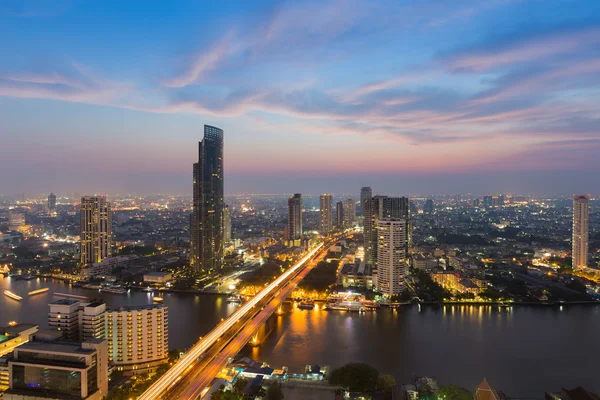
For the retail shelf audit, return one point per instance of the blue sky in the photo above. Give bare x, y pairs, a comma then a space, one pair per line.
314, 96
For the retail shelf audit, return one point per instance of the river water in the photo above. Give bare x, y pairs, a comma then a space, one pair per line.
522, 351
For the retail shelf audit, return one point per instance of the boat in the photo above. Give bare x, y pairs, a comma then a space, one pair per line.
234, 299
347, 306
92, 286
71, 296
307, 305
13, 296
157, 299
34, 292
114, 290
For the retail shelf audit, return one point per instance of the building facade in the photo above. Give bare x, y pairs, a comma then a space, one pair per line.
349, 212
206, 220
52, 204
365, 194
380, 207
580, 231
326, 214
294, 226
227, 224
392, 265
339, 214
138, 337
96, 229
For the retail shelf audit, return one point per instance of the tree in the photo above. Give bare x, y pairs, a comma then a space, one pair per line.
274, 392
453, 392
357, 377
239, 385
385, 384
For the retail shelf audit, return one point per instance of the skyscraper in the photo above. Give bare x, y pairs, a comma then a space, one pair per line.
227, 224
294, 227
580, 232
379, 207
326, 214
349, 212
51, 203
339, 214
365, 194
206, 220
96, 229
391, 255
428, 207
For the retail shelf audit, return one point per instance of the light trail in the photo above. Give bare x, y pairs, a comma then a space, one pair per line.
34, 292
174, 373
12, 295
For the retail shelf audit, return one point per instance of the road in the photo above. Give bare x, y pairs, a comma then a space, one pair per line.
204, 358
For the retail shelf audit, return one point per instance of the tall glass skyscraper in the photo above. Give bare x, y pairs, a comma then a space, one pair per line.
580, 231
294, 227
96, 229
206, 220
365, 195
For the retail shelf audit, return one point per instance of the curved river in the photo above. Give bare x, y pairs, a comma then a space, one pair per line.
523, 351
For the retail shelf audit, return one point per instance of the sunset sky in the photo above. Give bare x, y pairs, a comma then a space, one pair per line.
314, 96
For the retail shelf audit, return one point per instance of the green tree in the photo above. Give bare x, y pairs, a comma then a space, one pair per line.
274, 392
385, 384
453, 392
357, 377
239, 385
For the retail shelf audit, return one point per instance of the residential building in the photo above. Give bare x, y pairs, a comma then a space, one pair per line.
96, 229
138, 337
15, 335
64, 317
365, 194
106, 266
580, 232
206, 220
227, 224
380, 207
326, 214
52, 204
58, 370
392, 265
339, 214
294, 226
349, 212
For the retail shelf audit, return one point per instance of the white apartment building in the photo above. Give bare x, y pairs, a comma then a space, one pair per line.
392, 264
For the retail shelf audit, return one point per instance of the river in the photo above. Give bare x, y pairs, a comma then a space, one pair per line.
523, 351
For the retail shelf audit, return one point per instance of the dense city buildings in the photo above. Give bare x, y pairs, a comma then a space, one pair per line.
339, 214
206, 220
294, 223
16, 220
95, 229
392, 264
580, 232
58, 370
326, 214
365, 194
379, 207
138, 337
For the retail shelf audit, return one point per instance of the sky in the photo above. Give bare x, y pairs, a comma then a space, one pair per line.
409, 97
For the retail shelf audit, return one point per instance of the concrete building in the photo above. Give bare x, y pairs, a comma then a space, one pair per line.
91, 318
392, 264
58, 370
96, 229
428, 206
52, 204
580, 232
349, 212
380, 207
339, 214
227, 224
357, 275
294, 226
138, 337
365, 194
64, 317
326, 214
15, 335
106, 266
157, 277
206, 220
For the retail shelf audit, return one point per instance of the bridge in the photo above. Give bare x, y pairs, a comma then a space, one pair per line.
190, 377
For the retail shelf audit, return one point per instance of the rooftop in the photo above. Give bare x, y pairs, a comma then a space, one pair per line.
65, 302
16, 330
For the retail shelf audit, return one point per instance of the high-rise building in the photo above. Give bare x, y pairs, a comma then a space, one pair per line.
379, 207
16, 220
428, 207
58, 370
227, 224
392, 264
76, 320
580, 231
138, 337
365, 194
51, 203
326, 214
96, 229
339, 214
294, 226
206, 220
349, 212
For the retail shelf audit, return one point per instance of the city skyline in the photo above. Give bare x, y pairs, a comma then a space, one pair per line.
465, 92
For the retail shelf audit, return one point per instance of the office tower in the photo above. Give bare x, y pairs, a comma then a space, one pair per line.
96, 229
428, 207
580, 232
392, 263
138, 337
326, 214
64, 317
379, 207
349, 212
16, 220
206, 220
365, 194
51, 203
294, 226
339, 214
58, 370
227, 224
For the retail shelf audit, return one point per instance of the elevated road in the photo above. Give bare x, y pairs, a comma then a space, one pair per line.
190, 376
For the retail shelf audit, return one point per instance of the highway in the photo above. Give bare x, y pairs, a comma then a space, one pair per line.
190, 375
